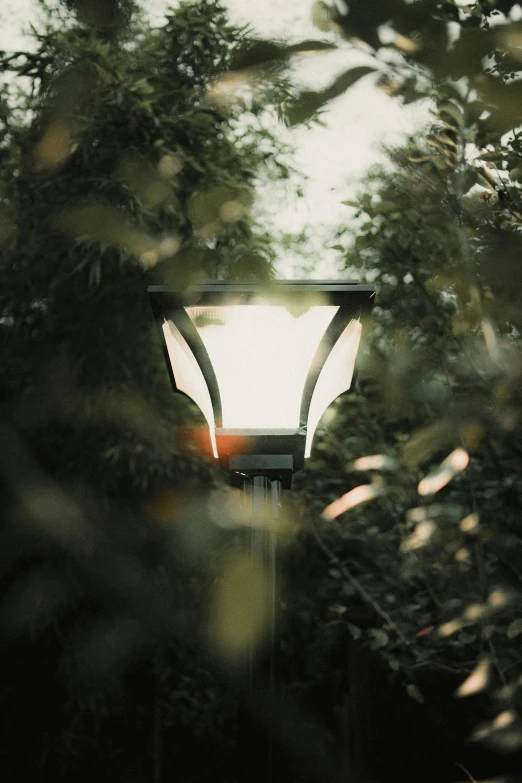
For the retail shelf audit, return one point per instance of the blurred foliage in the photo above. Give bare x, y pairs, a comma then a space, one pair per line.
428, 573
119, 168
130, 155
124, 161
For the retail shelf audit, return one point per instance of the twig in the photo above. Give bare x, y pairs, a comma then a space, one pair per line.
470, 776
358, 586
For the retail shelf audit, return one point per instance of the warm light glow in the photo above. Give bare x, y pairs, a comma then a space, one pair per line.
375, 462
188, 376
448, 469
498, 599
261, 355
335, 377
449, 628
474, 612
476, 681
421, 535
352, 498
504, 719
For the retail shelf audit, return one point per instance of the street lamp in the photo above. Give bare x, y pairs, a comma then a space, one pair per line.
262, 363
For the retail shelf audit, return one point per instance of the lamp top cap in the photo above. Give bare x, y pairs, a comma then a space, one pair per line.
250, 286
345, 293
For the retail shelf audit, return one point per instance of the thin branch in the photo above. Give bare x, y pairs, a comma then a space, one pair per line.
359, 587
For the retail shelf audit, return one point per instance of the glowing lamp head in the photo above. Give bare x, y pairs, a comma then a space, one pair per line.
262, 366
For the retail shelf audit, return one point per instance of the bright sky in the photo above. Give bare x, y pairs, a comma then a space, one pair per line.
333, 158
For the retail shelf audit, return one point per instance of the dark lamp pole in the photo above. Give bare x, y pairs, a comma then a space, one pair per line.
262, 363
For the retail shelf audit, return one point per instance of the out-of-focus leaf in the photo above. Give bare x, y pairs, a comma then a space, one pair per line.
379, 637
385, 206
476, 681
263, 53
240, 606
352, 498
453, 464
375, 462
306, 47
323, 16
514, 629
414, 693
354, 630
305, 106
425, 442
453, 113
486, 179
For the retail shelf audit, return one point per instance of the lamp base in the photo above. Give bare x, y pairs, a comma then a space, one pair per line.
276, 454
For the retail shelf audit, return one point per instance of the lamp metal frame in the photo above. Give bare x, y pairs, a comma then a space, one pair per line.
273, 453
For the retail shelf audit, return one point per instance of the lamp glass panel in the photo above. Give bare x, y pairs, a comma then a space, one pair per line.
261, 355
334, 378
188, 376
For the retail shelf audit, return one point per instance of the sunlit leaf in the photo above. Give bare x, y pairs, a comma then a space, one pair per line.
375, 462
406, 44
476, 681
55, 145
353, 498
514, 629
229, 88
421, 535
504, 719
474, 612
453, 464
498, 598
453, 111
322, 16
449, 628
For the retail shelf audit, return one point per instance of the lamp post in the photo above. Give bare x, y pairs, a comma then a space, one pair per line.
262, 363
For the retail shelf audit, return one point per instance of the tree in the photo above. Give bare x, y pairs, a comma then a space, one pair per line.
123, 163
124, 160
434, 423
127, 170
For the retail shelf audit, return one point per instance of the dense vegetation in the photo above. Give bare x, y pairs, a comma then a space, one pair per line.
121, 165
131, 155
435, 421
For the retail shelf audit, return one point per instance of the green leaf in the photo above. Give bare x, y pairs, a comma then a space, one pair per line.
311, 46
514, 629
453, 111
354, 630
414, 693
334, 573
379, 637
322, 16
263, 53
385, 206
426, 441
308, 103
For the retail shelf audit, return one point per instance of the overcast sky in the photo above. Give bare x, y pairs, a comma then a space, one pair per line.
334, 157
